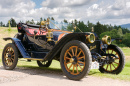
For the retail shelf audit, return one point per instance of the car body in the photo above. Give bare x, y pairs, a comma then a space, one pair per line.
75, 50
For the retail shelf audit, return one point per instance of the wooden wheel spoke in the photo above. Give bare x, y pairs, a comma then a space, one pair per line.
73, 68
112, 52
77, 69
8, 60
76, 51
12, 56
107, 67
7, 63
116, 58
5, 57
116, 62
12, 59
70, 66
116, 53
68, 62
80, 67
108, 51
80, 62
72, 51
79, 53
81, 57
12, 52
110, 68
67, 57
113, 66
69, 54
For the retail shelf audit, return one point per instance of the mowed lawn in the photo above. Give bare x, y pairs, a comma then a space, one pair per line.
55, 66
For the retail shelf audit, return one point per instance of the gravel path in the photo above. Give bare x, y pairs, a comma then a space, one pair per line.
39, 77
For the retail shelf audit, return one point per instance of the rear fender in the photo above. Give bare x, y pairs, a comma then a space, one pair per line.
19, 45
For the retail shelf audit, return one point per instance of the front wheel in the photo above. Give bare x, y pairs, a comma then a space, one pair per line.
115, 62
10, 56
75, 60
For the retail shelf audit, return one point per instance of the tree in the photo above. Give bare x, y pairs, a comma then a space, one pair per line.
12, 22
120, 32
1, 23
38, 23
44, 19
89, 26
28, 22
52, 18
41, 19
32, 22
98, 28
70, 27
112, 34
65, 21
126, 39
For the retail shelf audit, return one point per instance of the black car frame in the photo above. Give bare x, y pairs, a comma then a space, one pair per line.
75, 51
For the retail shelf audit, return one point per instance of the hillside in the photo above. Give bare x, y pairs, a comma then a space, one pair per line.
126, 26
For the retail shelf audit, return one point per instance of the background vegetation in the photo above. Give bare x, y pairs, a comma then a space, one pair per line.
116, 32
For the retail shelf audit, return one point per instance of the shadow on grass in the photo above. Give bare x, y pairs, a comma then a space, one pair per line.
46, 72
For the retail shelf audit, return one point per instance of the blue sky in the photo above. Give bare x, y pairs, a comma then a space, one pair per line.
105, 11
38, 3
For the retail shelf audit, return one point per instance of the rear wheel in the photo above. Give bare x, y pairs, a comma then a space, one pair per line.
116, 62
75, 60
10, 56
44, 63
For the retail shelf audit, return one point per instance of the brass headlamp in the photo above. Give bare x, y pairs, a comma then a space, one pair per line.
106, 40
90, 38
49, 35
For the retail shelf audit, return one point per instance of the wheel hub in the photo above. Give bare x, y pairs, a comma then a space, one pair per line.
9, 55
74, 60
71, 60
110, 59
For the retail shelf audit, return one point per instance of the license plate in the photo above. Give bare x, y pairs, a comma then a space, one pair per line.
95, 65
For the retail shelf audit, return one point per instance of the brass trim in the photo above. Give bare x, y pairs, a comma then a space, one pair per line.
49, 35
105, 40
92, 47
34, 59
88, 38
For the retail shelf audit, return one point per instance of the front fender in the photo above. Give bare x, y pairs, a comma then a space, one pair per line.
61, 43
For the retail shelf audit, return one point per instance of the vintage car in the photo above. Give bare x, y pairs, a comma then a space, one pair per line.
76, 51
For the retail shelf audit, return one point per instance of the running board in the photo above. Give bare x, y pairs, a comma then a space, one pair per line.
39, 59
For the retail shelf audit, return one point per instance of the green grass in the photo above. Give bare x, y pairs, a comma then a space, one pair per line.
55, 66
126, 51
124, 75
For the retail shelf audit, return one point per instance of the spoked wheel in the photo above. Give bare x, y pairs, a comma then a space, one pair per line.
75, 60
116, 61
44, 63
10, 56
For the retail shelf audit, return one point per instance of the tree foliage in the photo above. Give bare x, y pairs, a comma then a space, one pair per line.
99, 29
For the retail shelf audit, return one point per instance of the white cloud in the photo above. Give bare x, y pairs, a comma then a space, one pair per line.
127, 4
114, 12
65, 3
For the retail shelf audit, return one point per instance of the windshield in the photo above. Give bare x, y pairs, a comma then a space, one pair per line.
58, 25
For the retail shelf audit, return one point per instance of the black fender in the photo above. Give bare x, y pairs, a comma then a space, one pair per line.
55, 52
19, 45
